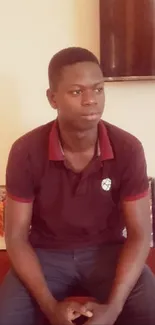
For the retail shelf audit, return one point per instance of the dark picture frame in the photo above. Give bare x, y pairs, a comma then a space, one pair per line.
127, 40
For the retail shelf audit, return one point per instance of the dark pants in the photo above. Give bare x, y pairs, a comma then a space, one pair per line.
91, 271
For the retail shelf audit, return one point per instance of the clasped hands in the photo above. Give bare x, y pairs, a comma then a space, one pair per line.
66, 312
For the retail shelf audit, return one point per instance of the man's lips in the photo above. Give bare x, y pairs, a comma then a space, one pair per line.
91, 116
91, 113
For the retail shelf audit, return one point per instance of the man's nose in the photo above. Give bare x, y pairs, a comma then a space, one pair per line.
88, 98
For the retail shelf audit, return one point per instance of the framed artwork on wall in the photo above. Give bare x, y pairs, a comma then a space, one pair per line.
127, 39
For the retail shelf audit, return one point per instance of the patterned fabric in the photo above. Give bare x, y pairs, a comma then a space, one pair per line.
2, 204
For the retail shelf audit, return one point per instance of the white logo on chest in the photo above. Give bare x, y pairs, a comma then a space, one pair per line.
106, 184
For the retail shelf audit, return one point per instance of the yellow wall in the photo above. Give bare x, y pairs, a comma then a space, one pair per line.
31, 32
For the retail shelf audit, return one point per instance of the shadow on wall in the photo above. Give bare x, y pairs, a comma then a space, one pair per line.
87, 25
10, 125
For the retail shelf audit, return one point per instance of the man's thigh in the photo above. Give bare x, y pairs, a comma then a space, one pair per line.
97, 268
98, 272
17, 307
140, 306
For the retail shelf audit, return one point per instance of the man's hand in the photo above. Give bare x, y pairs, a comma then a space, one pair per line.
65, 312
101, 314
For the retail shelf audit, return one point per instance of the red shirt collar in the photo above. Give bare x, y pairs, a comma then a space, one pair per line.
55, 149
105, 150
104, 144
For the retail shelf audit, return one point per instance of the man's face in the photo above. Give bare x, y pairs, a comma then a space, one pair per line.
79, 97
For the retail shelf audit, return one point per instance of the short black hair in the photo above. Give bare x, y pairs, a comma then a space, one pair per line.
67, 56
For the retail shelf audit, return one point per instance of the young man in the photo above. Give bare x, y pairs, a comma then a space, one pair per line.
78, 182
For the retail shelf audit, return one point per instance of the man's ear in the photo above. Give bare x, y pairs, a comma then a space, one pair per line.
51, 98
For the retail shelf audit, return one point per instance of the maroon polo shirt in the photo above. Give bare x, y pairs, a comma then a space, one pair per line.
75, 210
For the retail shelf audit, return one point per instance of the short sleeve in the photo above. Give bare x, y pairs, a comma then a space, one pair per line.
19, 180
134, 182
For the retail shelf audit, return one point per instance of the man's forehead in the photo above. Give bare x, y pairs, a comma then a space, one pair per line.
82, 68
92, 83
81, 75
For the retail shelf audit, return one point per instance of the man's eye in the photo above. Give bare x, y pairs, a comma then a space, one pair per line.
99, 90
76, 92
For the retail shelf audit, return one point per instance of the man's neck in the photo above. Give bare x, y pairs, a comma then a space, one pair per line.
77, 141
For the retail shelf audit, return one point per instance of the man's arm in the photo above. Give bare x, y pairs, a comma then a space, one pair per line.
22, 256
135, 250
21, 189
135, 205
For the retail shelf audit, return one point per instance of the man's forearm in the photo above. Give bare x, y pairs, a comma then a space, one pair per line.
130, 265
27, 267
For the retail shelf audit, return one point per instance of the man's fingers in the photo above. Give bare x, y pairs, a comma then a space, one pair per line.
72, 315
90, 305
86, 312
75, 315
79, 309
87, 309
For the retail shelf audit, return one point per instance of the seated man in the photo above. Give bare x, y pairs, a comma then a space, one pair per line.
78, 182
